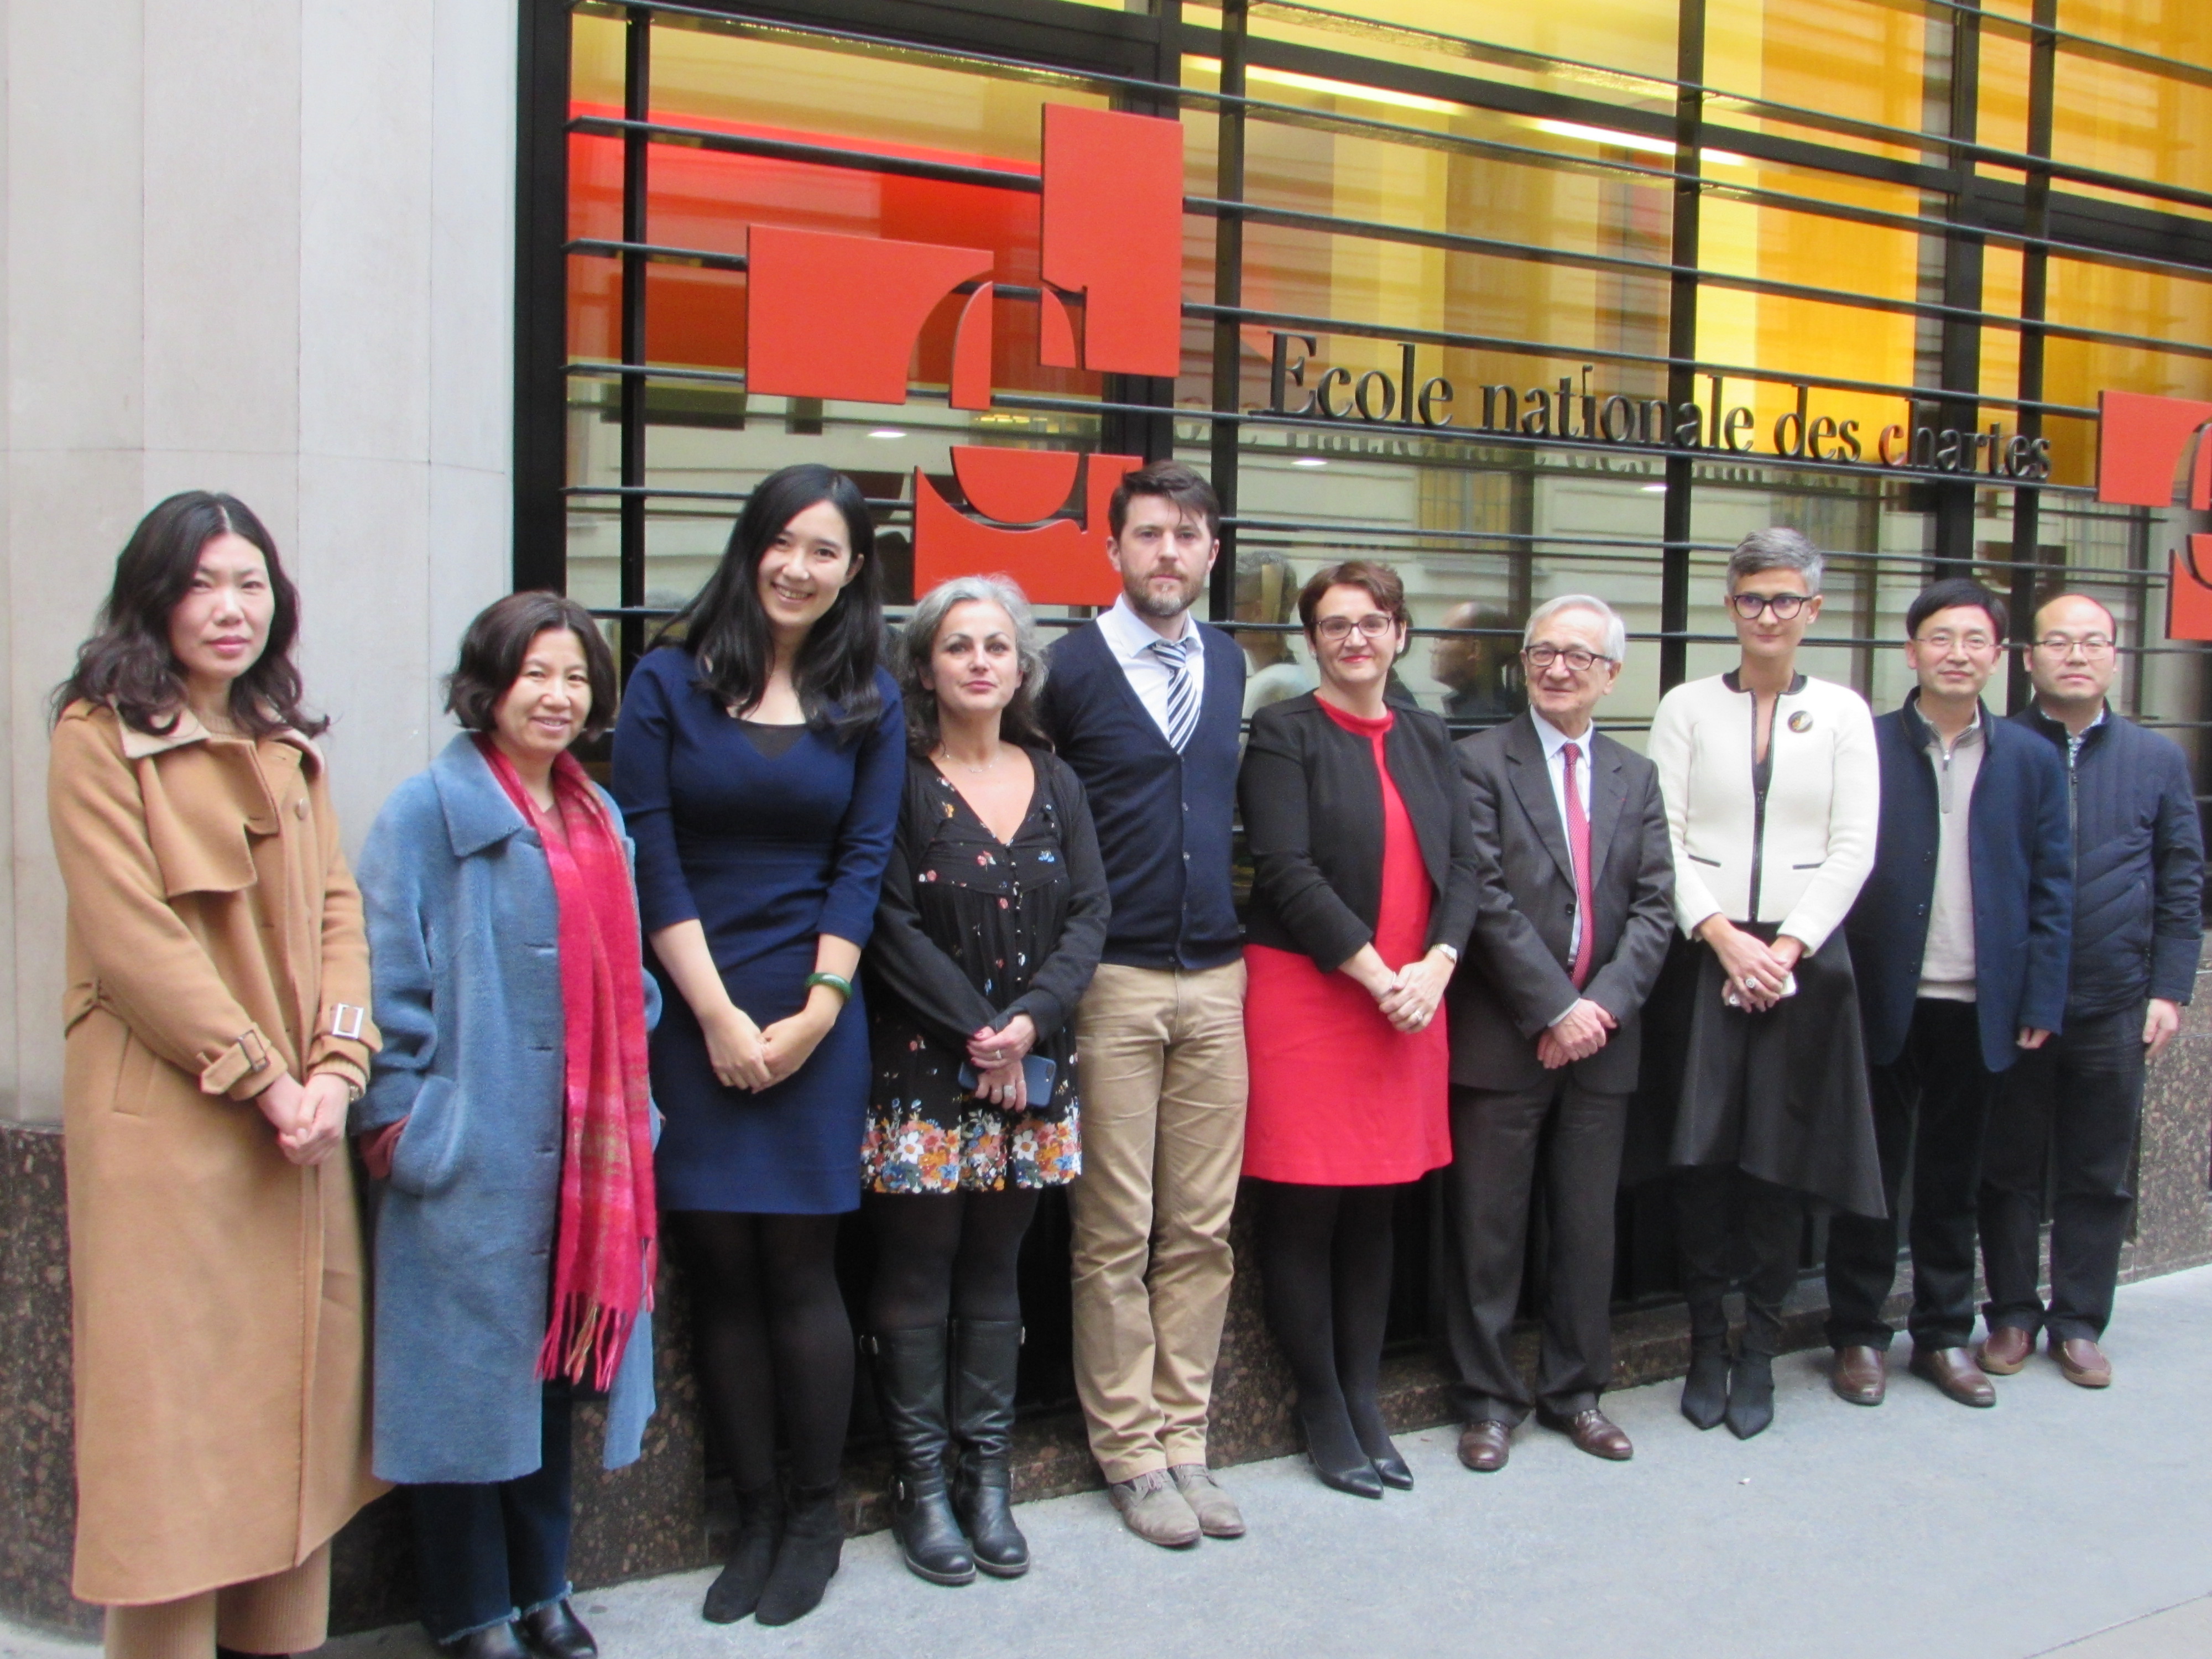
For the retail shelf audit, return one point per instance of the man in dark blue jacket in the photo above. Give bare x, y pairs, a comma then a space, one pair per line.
2138, 926
1959, 941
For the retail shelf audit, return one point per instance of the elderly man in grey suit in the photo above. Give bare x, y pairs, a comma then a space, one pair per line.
1575, 919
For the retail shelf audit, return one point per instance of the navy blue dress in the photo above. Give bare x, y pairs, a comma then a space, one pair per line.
765, 854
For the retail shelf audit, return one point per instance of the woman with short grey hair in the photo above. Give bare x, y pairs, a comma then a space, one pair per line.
1772, 793
992, 921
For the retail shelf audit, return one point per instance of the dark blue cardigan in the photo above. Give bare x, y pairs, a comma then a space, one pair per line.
1165, 819
2022, 860
2138, 865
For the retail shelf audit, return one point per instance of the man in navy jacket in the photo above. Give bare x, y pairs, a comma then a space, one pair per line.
2138, 926
1959, 941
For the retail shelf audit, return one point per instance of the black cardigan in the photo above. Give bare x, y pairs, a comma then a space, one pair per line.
930, 984
1313, 817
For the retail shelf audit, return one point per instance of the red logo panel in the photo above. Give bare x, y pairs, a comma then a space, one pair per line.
1062, 562
2141, 441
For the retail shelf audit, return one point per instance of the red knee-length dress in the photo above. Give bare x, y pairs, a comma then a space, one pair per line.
1339, 1097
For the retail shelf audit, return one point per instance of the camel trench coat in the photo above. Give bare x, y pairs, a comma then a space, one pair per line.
215, 945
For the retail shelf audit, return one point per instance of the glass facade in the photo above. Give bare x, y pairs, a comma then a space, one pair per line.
1525, 301
1853, 228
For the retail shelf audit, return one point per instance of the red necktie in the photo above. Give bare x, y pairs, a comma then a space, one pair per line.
1578, 849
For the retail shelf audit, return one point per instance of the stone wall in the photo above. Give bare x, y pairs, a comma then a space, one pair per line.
656, 1517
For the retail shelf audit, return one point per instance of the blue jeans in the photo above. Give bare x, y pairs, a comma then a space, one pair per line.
486, 1552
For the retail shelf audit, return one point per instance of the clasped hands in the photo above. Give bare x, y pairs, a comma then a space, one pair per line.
309, 1118
754, 1057
1759, 971
1409, 997
997, 1057
1576, 1035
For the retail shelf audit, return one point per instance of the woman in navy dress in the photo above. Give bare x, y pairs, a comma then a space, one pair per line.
759, 759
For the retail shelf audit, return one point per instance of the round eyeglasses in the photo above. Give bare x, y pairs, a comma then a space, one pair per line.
1781, 606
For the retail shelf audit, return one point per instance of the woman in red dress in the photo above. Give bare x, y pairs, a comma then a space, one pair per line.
1363, 890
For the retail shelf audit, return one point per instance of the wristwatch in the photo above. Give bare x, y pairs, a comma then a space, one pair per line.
1451, 952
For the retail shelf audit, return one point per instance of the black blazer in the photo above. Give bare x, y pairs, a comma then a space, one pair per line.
1515, 981
1313, 817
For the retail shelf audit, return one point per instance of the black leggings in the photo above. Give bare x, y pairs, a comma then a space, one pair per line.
772, 1343
1325, 1261
942, 1254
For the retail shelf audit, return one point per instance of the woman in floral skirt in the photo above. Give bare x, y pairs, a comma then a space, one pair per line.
993, 916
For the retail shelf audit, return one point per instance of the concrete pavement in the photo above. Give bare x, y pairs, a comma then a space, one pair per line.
2063, 1522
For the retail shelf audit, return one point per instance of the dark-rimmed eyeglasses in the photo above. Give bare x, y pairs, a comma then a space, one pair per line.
1782, 606
1375, 625
1541, 657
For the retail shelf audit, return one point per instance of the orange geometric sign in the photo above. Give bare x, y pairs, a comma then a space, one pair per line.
2141, 444
1060, 563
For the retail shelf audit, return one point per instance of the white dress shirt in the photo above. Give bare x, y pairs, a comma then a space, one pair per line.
1130, 638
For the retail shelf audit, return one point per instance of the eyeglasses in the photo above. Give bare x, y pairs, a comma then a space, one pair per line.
1541, 656
1943, 642
1782, 606
1375, 625
2092, 646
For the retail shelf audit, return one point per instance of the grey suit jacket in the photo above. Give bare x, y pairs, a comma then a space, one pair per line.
1515, 980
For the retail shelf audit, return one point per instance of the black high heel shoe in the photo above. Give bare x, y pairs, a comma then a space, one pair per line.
1705, 1389
1336, 1453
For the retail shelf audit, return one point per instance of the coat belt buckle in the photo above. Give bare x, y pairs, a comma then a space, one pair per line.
346, 1021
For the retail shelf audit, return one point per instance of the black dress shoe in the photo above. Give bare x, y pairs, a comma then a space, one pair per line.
556, 1632
493, 1642
1751, 1395
1392, 1468
1705, 1389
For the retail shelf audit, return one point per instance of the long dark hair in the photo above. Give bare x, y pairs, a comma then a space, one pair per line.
726, 632
128, 663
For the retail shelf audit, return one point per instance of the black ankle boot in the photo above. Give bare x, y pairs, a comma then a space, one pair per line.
1705, 1389
986, 1354
1335, 1450
737, 1591
806, 1560
910, 1387
1751, 1394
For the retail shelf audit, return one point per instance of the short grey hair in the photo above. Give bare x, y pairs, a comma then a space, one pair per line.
919, 641
1776, 547
1616, 631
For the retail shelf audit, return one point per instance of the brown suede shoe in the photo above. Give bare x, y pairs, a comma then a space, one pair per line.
1483, 1446
1217, 1512
2082, 1362
1862, 1375
2006, 1349
1954, 1371
1155, 1510
1592, 1431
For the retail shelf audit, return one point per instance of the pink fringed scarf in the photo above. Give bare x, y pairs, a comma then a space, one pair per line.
605, 1250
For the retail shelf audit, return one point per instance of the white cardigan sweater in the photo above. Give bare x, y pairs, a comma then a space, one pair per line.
1823, 804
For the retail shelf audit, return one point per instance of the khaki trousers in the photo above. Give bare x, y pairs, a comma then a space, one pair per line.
1163, 1077
285, 1613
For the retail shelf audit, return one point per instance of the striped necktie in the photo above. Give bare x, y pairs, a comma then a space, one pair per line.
1182, 694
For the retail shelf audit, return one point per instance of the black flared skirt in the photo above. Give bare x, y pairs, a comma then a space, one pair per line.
1781, 1095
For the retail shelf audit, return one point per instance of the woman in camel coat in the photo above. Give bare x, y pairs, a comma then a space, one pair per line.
218, 979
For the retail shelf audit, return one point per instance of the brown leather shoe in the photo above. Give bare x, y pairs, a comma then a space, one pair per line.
1592, 1431
1483, 1446
2082, 1362
2006, 1349
1862, 1375
1954, 1371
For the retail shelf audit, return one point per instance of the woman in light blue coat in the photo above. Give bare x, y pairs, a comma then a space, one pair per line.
509, 1119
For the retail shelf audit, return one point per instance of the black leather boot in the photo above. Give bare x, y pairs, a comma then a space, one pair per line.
1751, 1393
555, 1632
806, 1560
736, 1591
986, 1352
910, 1387
1705, 1389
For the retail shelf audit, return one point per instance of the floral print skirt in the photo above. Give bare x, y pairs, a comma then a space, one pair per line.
990, 1150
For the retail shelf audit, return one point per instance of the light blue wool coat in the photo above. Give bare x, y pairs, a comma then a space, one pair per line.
464, 935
